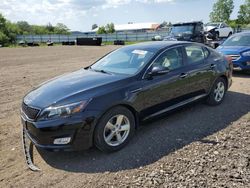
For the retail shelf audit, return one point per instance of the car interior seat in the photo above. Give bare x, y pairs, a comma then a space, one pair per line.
172, 60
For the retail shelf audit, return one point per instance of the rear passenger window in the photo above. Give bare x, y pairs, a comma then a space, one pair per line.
195, 54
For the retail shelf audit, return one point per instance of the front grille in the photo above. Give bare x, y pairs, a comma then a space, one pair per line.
235, 57
30, 112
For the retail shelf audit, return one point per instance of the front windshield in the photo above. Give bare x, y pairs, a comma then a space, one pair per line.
123, 61
188, 29
243, 40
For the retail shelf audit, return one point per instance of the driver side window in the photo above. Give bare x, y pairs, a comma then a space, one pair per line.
171, 59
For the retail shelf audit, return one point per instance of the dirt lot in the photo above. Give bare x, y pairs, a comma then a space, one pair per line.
197, 146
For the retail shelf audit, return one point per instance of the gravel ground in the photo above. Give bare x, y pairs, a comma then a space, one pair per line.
196, 146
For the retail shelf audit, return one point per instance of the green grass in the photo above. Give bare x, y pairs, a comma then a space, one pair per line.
126, 43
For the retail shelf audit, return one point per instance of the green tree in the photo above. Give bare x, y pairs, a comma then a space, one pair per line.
244, 13
110, 28
39, 30
12, 31
222, 10
233, 23
101, 30
61, 29
4, 39
2, 23
24, 26
9, 30
50, 28
94, 26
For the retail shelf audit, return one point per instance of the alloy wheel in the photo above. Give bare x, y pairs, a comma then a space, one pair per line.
219, 91
116, 130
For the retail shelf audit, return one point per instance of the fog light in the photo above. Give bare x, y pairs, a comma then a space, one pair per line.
248, 63
64, 140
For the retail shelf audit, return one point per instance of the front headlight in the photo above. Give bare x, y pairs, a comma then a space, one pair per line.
62, 111
247, 53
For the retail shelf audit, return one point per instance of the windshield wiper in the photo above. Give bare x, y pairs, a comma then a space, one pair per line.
97, 70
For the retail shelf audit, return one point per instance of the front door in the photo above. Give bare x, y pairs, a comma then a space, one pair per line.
163, 91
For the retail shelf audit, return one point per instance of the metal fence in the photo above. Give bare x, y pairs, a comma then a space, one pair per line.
136, 36
142, 36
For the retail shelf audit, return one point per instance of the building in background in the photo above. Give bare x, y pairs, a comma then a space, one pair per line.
134, 27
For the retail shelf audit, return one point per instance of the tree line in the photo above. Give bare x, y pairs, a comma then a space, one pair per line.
108, 28
9, 30
223, 9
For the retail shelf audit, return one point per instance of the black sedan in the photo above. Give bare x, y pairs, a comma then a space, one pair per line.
103, 104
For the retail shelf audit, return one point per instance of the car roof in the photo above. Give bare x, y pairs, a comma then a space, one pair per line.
187, 23
155, 46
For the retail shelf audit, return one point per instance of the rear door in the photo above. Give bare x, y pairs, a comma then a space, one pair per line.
198, 69
224, 30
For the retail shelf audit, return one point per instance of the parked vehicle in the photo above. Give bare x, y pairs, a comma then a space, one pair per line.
103, 104
157, 38
193, 32
238, 48
189, 31
219, 30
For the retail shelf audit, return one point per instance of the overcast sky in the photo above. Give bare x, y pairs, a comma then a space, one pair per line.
81, 14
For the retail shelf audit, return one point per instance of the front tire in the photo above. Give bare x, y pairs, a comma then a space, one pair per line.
114, 130
229, 34
217, 93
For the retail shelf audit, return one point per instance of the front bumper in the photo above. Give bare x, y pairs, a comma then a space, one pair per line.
78, 127
242, 64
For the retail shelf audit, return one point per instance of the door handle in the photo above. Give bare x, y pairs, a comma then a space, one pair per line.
183, 75
212, 66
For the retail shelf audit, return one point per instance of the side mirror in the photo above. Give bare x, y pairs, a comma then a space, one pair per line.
158, 70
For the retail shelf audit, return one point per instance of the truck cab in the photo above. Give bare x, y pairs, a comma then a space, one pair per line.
189, 31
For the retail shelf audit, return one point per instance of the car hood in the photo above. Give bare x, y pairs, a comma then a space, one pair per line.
232, 49
209, 28
68, 85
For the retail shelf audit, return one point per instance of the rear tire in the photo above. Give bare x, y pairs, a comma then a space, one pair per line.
217, 93
114, 130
